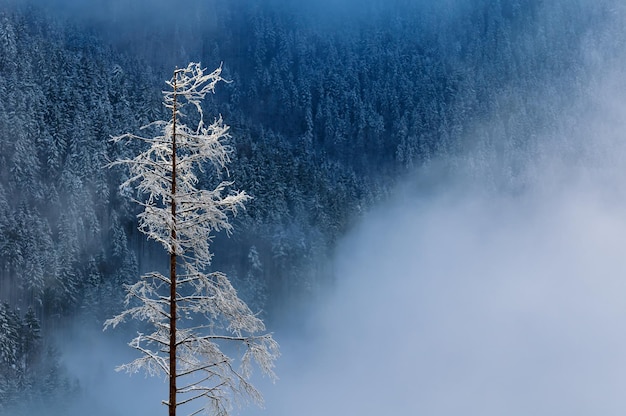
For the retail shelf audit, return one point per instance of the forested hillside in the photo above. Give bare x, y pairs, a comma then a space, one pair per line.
329, 106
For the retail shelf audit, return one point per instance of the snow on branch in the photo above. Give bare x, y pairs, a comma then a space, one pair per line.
202, 306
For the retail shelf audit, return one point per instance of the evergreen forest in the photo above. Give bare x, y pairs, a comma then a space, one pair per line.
331, 106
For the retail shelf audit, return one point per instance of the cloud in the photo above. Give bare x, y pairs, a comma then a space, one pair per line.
477, 305
481, 306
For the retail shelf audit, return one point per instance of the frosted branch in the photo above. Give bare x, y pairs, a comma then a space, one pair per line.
201, 297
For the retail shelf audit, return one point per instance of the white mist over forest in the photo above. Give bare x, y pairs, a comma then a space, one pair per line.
464, 295
475, 301
461, 295
490, 280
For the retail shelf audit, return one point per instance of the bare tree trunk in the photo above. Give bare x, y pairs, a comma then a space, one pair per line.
172, 357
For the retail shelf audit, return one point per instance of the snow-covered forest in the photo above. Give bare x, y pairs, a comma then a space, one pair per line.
333, 108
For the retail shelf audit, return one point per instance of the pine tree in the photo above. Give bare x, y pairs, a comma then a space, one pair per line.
9, 354
31, 336
195, 313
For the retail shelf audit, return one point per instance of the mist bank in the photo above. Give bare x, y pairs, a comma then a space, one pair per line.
476, 306
475, 301
492, 281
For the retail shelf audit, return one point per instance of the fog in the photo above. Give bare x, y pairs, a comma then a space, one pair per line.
467, 301
466, 294
91, 357
456, 297
461, 295
481, 305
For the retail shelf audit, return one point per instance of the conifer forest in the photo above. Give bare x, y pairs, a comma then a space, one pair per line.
413, 207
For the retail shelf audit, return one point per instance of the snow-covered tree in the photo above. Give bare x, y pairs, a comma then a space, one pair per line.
196, 314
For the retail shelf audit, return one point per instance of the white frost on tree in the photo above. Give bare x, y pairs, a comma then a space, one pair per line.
196, 314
